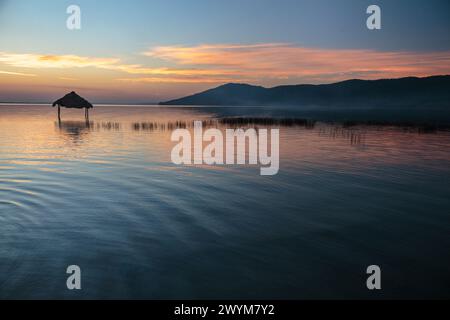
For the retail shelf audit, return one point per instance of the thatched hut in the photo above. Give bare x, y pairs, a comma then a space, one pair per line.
73, 100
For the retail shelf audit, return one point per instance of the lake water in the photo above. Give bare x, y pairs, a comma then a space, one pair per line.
105, 196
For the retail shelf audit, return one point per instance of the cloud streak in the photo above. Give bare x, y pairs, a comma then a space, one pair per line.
176, 80
38, 61
165, 74
274, 61
17, 74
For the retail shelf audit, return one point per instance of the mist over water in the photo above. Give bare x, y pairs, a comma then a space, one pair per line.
104, 195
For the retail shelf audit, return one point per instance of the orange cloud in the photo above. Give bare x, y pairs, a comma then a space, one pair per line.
275, 61
176, 80
17, 74
37, 61
68, 78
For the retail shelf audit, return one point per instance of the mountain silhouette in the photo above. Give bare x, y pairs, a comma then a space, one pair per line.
410, 91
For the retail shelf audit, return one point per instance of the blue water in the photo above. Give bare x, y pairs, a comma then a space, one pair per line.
105, 196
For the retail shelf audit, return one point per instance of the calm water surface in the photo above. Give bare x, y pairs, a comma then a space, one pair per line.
105, 196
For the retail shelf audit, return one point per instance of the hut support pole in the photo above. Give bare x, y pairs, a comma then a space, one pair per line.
59, 113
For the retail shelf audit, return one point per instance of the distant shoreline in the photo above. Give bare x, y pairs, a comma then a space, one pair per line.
407, 91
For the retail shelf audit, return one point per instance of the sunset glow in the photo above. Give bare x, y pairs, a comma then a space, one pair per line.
206, 65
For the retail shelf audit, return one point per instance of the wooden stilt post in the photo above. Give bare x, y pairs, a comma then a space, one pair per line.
59, 113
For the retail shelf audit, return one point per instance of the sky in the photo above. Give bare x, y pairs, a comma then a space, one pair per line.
149, 51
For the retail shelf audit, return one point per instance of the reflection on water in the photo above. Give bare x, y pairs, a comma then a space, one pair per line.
76, 128
79, 127
354, 135
104, 195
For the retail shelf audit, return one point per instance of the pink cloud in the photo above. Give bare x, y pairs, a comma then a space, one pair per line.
276, 61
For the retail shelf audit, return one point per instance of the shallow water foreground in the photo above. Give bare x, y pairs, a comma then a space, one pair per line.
104, 195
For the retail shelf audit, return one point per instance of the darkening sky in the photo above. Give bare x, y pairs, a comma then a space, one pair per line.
146, 51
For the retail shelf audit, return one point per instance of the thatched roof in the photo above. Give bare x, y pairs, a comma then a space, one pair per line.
73, 100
